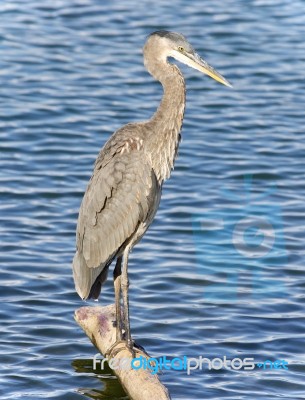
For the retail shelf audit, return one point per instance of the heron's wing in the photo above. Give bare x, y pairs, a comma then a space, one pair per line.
121, 194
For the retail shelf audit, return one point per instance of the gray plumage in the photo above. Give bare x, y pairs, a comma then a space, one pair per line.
124, 192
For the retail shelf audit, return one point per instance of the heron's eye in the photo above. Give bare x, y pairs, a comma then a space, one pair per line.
181, 49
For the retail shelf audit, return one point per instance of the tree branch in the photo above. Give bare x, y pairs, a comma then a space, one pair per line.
99, 325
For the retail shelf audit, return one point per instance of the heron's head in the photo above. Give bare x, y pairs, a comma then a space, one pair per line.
165, 44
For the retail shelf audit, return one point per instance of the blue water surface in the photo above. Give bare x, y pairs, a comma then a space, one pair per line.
221, 270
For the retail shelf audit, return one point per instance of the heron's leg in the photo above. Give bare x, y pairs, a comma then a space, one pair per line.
117, 291
124, 286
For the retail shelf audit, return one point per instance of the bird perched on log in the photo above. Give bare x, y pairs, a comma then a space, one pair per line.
124, 191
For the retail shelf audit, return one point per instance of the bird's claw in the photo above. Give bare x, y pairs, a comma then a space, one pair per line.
114, 349
132, 347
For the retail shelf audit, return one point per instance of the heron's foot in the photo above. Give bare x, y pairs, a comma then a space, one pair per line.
131, 348
137, 350
120, 345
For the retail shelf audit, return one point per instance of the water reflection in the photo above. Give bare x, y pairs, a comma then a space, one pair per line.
108, 381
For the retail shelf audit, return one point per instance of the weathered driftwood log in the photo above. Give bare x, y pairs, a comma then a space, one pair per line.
139, 384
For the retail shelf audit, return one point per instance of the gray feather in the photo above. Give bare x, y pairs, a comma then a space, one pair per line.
113, 207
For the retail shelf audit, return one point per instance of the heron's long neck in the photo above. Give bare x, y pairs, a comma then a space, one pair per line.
165, 125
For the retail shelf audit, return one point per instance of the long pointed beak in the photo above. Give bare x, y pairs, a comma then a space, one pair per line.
196, 62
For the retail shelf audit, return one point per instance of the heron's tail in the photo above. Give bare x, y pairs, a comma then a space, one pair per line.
88, 281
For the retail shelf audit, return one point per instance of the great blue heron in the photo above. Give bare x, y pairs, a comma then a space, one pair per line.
124, 191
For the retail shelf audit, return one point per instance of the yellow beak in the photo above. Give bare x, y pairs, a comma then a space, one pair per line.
196, 62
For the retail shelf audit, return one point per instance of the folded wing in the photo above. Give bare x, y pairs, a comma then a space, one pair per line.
121, 194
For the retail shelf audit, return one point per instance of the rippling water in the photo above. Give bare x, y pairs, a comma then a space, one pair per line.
203, 282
